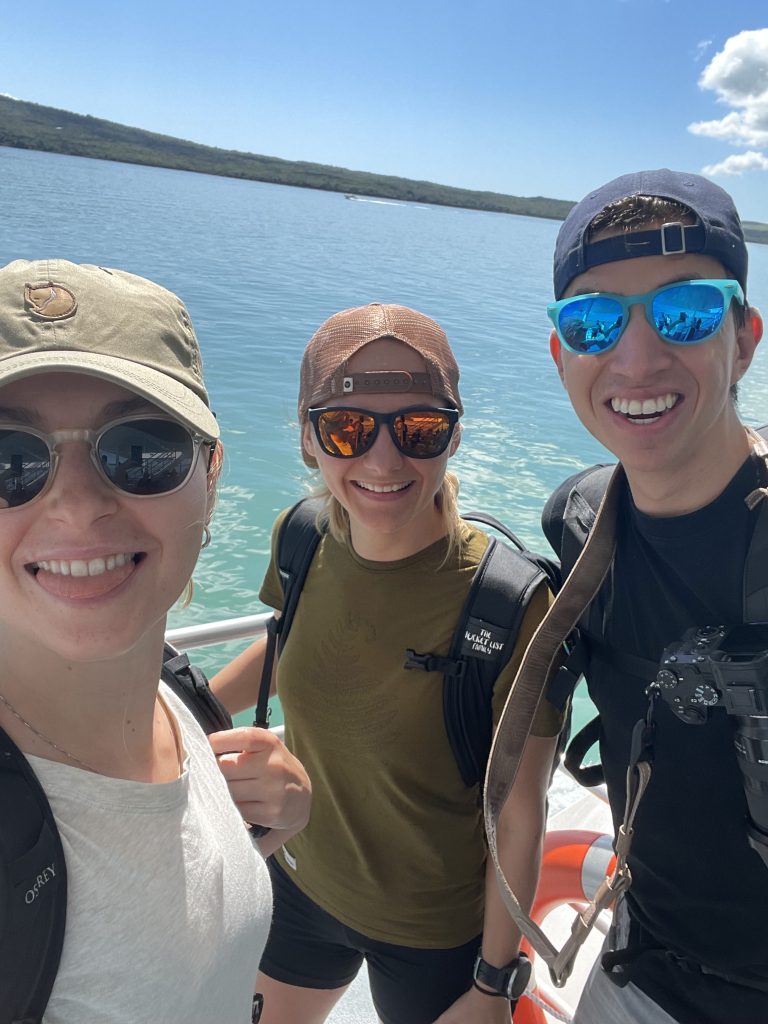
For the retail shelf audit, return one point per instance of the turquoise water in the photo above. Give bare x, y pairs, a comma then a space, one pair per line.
260, 266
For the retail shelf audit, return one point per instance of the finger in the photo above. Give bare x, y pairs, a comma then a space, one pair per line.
243, 737
243, 765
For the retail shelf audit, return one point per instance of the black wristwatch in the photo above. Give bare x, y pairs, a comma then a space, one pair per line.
510, 981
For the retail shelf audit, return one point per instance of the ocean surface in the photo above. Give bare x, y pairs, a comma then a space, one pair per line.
261, 266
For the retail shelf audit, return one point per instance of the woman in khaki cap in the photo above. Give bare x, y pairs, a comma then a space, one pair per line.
391, 868
109, 456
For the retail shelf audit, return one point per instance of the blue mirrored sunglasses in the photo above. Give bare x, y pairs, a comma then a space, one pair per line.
683, 313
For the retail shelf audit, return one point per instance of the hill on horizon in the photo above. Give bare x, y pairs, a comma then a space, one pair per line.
25, 125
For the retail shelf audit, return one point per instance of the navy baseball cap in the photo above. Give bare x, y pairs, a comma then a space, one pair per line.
717, 232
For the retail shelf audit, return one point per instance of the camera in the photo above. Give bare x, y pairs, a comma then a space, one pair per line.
727, 667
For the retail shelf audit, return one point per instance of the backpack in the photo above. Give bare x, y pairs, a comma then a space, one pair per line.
482, 643
567, 519
33, 882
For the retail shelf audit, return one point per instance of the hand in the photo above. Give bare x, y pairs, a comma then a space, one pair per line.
475, 1008
267, 783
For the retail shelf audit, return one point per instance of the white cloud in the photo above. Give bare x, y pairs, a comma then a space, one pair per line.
738, 164
747, 128
738, 74
701, 49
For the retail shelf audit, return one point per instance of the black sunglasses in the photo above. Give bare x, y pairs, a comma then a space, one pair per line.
144, 456
420, 432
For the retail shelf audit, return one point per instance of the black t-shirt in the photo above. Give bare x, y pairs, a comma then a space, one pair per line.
698, 888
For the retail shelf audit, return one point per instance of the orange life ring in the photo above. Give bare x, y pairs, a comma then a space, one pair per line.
574, 863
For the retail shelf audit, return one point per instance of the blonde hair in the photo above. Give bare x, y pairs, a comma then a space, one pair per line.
335, 517
214, 472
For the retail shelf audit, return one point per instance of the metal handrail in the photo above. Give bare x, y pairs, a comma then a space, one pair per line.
206, 633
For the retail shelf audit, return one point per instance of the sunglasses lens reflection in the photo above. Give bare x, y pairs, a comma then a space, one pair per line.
591, 324
345, 433
147, 456
688, 313
422, 435
25, 463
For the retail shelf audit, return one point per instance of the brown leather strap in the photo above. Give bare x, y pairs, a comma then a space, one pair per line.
540, 661
374, 382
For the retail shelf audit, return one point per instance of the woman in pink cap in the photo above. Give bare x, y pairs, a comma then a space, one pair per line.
392, 866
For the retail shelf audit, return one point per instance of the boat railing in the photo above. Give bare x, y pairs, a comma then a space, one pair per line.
205, 634
251, 627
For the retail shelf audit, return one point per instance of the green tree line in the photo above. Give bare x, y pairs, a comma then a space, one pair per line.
32, 126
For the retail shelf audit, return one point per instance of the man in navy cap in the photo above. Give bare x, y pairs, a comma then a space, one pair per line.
652, 332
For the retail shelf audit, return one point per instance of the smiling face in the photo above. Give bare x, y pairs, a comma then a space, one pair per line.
390, 499
664, 410
85, 570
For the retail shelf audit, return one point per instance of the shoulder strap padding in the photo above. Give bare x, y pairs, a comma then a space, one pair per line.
570, 512
297, 542
550, 568
33, 890
296, 546
483, 642
190, 684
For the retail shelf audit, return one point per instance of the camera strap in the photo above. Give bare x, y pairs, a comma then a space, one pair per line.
540, 662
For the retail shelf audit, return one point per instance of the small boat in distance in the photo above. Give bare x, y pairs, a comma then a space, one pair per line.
384, 202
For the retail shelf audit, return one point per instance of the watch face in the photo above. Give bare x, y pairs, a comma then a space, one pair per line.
518, 983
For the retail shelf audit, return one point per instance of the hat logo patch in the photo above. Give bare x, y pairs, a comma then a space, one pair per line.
50, 301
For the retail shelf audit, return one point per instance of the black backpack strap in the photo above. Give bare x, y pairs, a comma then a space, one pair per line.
488, 520
263, 710
550, 568
567, 519
33, 891
483, 642
570, 512
190, 684
578, 748
296, 545
756, 564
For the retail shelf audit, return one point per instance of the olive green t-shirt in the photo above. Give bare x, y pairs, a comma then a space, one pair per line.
395, 846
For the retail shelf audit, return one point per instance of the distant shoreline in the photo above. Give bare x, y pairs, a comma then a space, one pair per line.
31, 126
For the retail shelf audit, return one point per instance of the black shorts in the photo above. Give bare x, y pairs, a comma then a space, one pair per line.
310, 948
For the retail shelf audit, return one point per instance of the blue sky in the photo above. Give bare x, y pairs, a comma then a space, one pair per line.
530, 99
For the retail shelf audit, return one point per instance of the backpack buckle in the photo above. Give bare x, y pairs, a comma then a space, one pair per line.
434, 663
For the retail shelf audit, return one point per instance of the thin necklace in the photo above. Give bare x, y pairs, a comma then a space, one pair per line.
79, 761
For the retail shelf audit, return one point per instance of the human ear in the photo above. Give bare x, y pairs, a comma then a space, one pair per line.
757, 323
556, 351
747, 339
308, 440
